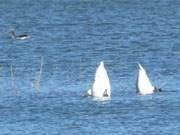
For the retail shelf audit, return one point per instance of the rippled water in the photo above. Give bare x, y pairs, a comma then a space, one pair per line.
72, 37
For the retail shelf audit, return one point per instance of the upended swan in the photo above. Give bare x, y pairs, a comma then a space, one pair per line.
143, 84
101, 87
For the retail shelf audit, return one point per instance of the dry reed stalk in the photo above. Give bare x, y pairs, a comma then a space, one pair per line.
38, 79
13, 83
81, 76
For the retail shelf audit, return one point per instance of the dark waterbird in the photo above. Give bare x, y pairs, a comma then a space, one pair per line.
20, 37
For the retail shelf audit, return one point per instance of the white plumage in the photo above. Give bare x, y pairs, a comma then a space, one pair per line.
101, 86
144, 85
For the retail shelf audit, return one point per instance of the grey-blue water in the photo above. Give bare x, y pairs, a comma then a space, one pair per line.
73, 36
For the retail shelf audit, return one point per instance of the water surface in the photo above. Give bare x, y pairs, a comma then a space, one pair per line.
73, 36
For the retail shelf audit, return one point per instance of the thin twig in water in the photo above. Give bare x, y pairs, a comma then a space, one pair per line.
81, 75
38, 80
1, 66
13, 84
69, 74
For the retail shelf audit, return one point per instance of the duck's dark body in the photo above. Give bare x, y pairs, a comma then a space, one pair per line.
21, 37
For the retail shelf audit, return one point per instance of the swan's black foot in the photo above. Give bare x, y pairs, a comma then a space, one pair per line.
157, 90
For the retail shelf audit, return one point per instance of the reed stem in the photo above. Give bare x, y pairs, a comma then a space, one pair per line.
13, 83
38, 79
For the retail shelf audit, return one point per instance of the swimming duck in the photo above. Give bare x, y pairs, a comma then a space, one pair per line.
20, 37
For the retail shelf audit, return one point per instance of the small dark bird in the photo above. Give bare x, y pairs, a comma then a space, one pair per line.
20, 37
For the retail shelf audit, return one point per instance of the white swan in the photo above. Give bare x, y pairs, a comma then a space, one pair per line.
143, 84
101, 86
